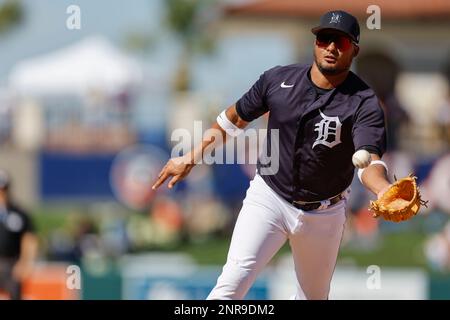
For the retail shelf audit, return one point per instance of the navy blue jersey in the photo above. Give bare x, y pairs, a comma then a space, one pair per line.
318, 130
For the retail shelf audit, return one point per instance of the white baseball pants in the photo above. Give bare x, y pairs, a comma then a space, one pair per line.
264, 224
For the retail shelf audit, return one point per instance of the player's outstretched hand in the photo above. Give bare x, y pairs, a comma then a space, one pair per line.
400, 202
177, 168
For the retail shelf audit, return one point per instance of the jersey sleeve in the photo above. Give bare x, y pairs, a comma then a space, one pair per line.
253, 104
369, 128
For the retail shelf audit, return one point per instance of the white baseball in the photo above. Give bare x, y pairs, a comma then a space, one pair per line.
361, 159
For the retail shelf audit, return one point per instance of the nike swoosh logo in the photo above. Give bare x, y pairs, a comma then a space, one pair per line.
283, 85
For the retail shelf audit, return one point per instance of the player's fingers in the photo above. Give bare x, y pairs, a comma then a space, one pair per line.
162, 171
174, 180
160, 180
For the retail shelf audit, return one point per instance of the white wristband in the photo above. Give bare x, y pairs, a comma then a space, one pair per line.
227, 125
360, 171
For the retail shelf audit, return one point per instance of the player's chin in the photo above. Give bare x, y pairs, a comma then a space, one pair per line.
329, 69
330, 66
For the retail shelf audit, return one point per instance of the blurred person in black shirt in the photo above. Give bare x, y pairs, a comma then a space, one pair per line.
396, 118
18, 243
443, 115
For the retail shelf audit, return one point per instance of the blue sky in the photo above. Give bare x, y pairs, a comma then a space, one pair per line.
44, 26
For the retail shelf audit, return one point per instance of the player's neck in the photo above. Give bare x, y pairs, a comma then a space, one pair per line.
325, 81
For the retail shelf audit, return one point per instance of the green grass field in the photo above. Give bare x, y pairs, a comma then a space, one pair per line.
393, 248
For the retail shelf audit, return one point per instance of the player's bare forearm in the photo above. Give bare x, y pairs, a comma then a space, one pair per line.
375, 178
196, 154
179, 167
29, 250
29, 247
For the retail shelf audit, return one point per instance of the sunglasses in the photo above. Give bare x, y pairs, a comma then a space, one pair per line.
341, 42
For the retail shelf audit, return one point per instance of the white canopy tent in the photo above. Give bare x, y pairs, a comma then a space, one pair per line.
91, 64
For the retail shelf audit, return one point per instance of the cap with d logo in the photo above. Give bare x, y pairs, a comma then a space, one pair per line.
341, 21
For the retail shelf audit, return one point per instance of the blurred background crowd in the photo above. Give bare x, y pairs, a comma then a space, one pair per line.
88, 108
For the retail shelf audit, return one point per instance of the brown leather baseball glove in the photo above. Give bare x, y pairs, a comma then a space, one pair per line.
400, 202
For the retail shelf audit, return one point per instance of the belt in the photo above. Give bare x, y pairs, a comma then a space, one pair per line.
308, 206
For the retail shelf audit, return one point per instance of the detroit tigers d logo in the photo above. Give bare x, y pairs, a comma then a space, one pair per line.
328, 131
335, 17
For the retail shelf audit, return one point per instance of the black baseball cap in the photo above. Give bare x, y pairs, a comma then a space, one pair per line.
341, 21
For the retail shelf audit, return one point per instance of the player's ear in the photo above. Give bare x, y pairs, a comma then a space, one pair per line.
356, 51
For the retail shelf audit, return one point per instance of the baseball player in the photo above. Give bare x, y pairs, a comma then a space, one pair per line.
324, 113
